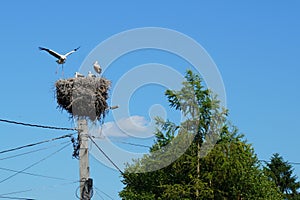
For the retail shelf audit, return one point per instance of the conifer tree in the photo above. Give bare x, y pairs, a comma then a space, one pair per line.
281, 173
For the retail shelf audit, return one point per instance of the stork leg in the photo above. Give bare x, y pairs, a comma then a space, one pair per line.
62, 70
57, 69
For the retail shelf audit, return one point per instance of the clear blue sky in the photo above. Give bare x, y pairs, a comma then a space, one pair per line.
255, 45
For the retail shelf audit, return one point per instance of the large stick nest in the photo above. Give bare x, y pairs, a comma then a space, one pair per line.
83, 97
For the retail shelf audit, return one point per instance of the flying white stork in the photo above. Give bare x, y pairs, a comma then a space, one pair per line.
97, 67
61, 58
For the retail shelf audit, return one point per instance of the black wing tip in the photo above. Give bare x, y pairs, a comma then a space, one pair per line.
76, 48
42, 48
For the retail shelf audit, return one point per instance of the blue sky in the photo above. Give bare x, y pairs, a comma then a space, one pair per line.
255, 45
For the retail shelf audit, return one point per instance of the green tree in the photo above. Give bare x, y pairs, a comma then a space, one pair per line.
233, 171
281, 173
209, 159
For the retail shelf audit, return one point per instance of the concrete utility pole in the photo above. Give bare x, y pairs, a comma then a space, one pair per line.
86, 182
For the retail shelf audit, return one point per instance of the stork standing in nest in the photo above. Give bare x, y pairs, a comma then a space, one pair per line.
97, 67
61, 58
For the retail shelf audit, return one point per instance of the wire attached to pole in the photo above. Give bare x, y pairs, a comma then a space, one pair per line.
34, 144
38, 126
108, 158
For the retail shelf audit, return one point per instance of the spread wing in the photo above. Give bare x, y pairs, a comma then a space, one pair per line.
69, 53
53, 53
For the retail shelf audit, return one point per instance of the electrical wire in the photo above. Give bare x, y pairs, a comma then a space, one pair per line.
99, 196
87, 190
107, 195
292, 163
33, 174
129, 143
107, 157
83, 195
37, 125
7, 197
16, 192
18, 172
37, 143
38, 189
33, 151
76, 192
132, 144
97, 189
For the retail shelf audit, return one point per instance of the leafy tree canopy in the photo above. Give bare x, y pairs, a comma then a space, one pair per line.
203, 157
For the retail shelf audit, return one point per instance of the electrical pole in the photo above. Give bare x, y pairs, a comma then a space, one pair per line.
86, 183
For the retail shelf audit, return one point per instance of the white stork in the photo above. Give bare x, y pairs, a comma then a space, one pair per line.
78, 75
91, 75
97, 67
61, 58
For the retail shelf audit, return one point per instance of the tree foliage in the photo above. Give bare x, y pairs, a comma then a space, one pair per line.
217, 163
281, 173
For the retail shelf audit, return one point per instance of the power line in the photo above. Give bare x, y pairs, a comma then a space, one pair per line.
292, 163
133, 144
108, 158
107, 195
11, 176
38, 126
7, 197
33, 174
129, 143
38, 188
33, 151
99, 196
34, 144
16, 192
